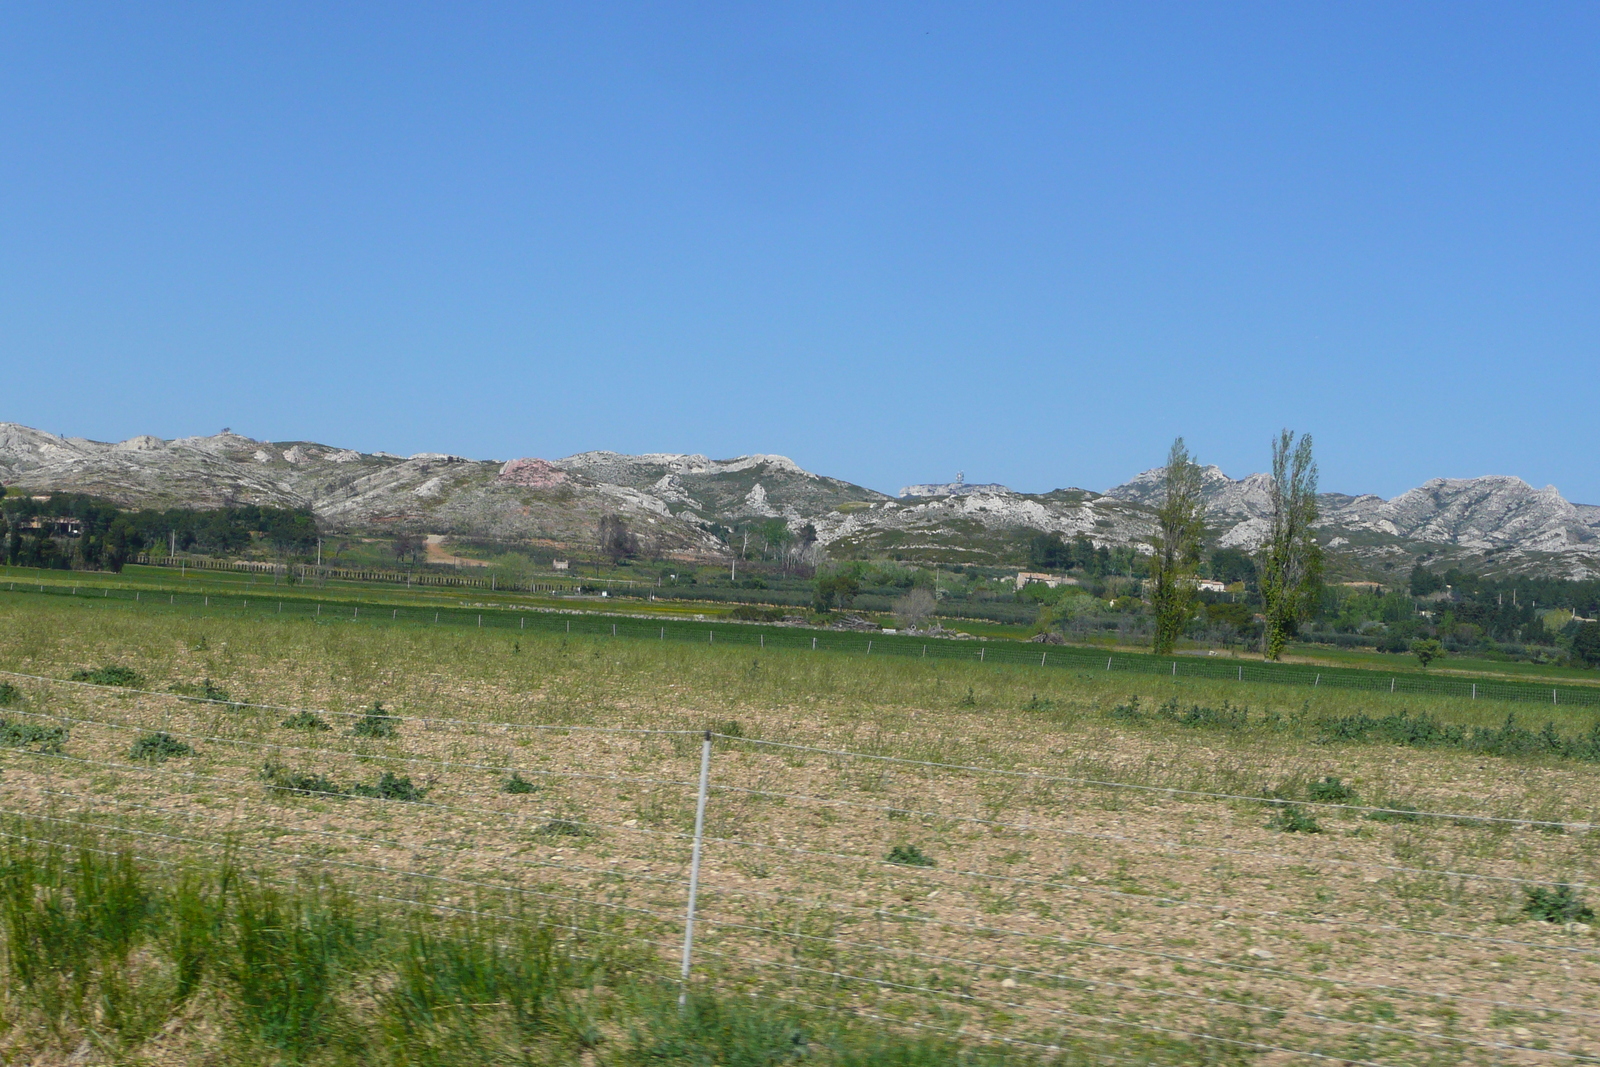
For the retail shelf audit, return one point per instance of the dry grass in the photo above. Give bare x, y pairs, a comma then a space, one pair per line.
1051, 907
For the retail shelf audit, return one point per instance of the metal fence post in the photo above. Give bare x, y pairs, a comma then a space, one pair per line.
694, 869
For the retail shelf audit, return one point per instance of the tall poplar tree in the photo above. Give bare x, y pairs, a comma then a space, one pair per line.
1180, 529
1291, 559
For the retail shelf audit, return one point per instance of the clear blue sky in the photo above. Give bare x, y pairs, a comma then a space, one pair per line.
890, 241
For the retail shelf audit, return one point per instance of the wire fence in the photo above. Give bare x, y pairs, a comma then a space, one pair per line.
1018, 906
1081, 660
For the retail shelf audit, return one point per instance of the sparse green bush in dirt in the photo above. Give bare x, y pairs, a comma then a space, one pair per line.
909, 856
9, 694
518, 784
968, 701
305, 720
376, 723
303, 782
158, 747
1128, 711
1561, 904
18, 734
389, 786
1035, 704
565, 828
1330, 790
110, 674
1292, 819
729, 728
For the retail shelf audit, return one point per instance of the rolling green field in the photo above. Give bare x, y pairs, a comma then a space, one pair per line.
452, 842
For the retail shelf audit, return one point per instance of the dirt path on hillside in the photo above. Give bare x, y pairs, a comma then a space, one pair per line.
437, 554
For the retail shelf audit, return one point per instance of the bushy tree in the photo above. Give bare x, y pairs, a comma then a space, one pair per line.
1426, 649
1290, 560
913, 609
1180, 528
1586, 644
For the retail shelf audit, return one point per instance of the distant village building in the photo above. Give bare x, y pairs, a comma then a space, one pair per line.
1210, 585
558, 564
959, 487
1052, 580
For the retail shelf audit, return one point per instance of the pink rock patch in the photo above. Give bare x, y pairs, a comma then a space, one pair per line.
532, 474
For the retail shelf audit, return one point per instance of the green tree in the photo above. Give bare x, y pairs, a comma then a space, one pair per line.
1586, 644
1291, 559
1426, 649
1180, 528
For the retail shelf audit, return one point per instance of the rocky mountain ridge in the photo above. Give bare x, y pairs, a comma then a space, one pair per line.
679, 504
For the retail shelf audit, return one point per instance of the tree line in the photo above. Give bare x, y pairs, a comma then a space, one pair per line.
70, 530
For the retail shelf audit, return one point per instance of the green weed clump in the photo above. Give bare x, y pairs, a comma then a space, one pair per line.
909, 856
158, 747
1195, 715
518, 784
14, 734
305, 720
9, 695
110, 675
304, 783
1331, 790
565, 828
1424, 731
1292, 819
376, 723
1559, 905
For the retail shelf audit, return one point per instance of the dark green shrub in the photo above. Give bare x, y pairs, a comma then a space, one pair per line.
111, 675
518, 784
1036, 704
909, 856
375, 723
1559, 905
1129, 711
1330, 791
158, 747
306, 784
389, 787
305, 720
9, 694
15, 734
1292, 819
729, 728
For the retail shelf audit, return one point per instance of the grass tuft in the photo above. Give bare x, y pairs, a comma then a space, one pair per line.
909, 856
